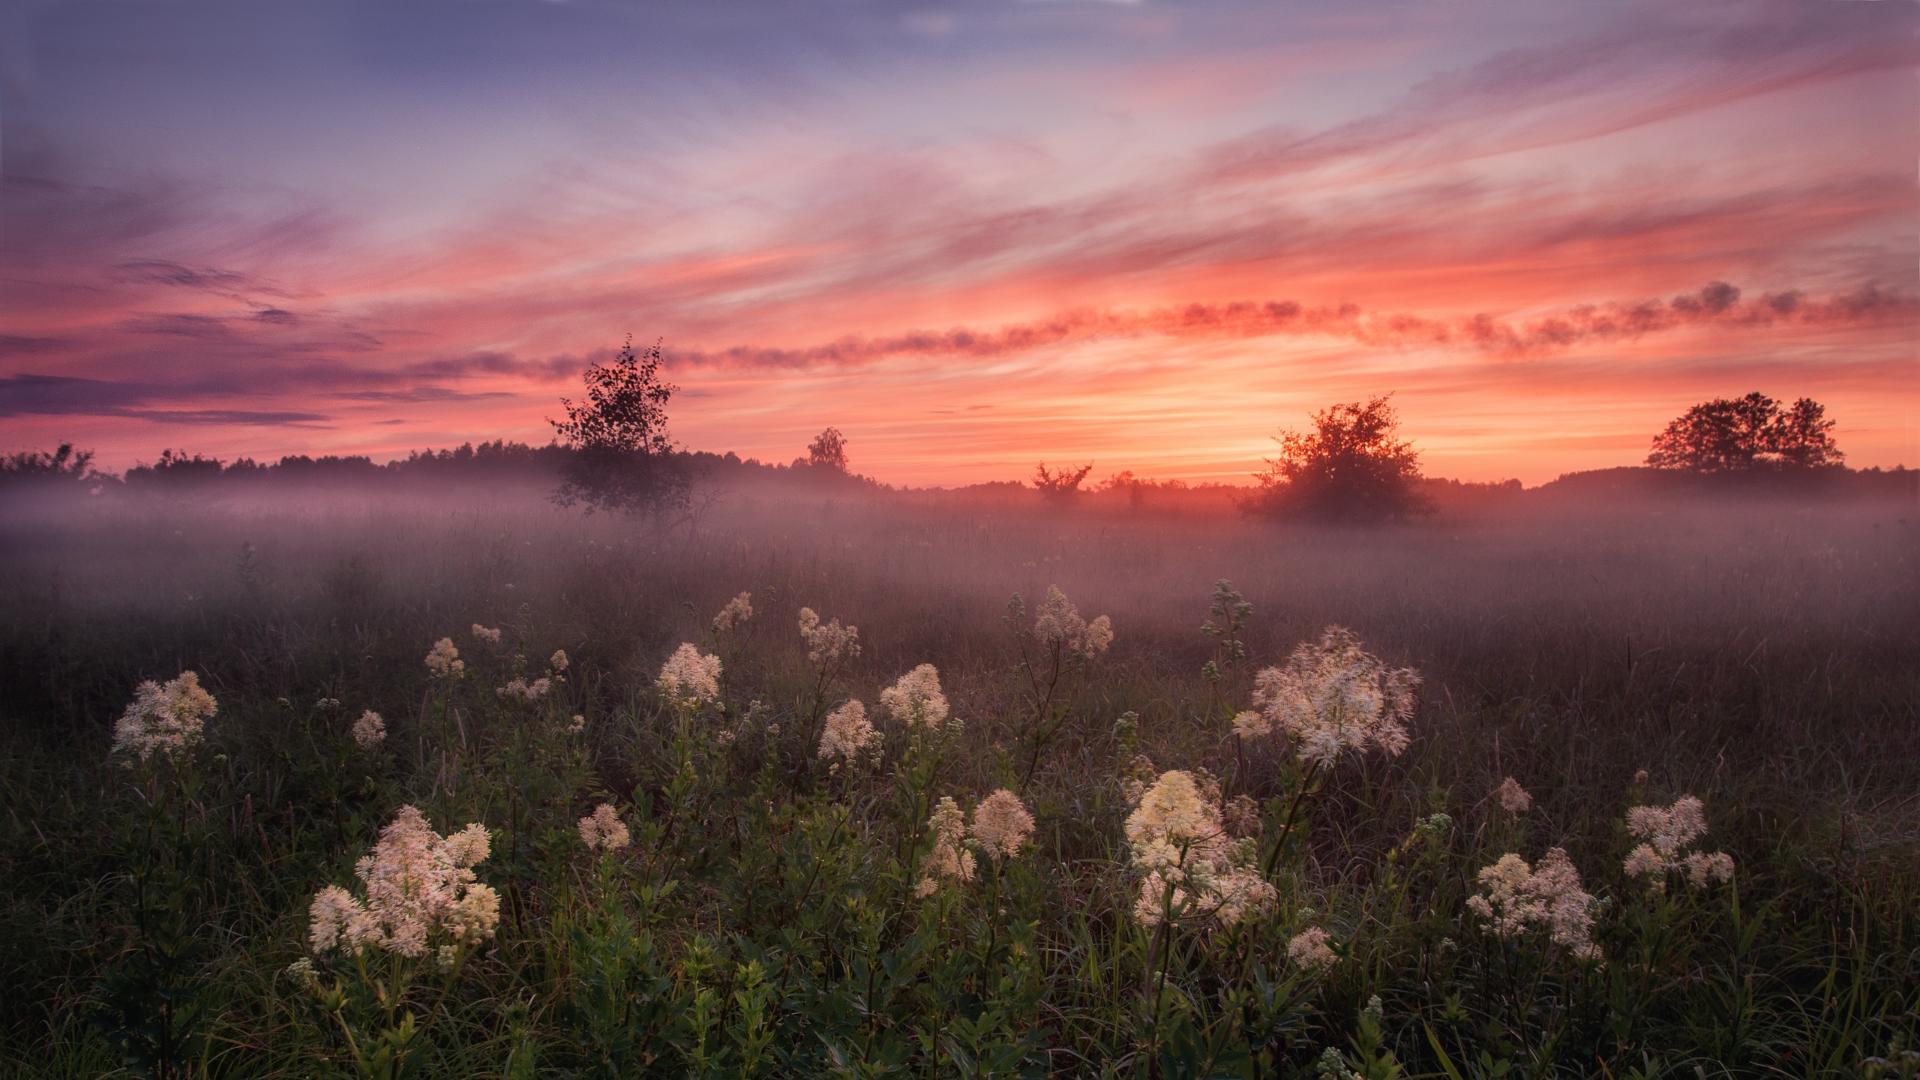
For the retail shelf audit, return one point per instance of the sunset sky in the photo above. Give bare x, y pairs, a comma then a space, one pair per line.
973, 236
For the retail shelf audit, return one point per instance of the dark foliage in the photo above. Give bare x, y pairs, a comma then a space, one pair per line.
1739, 434
1351, 467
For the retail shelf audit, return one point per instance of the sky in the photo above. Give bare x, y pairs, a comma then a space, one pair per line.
973, 236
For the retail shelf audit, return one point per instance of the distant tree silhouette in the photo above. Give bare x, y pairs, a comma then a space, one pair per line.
1738, 434
623, 458
1062, 485
60, 467
178, 468
828, 450
1350, 467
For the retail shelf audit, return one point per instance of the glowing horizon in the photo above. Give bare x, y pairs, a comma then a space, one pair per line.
972, 236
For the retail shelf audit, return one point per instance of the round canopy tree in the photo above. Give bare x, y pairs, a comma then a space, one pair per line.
1738, 434
1351, 466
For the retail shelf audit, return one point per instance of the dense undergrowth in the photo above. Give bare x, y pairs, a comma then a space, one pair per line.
1225, 872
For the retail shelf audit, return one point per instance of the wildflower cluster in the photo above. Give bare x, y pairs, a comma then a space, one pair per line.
1002, 825
828, 643
1312, 950
489, 635
421, 893
915, 699
1512, 797
1519, 898
168, 718
847, 733
1192, 870
520, 690
1665, 833
690, 678
603, 830
1332, 698
949, 861
738, 610
370, 730
1059, 625
444, 660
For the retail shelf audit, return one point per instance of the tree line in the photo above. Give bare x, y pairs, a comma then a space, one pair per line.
613, 452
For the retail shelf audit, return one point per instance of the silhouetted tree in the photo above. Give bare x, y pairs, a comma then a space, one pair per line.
1062, 485
176, 467
622, 457
1350, 467
63, 466
1737, 434
828, 450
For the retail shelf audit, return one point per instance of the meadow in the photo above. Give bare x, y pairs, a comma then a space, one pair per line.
1621, 791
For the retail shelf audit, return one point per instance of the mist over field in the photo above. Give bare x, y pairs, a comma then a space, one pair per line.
1755, 650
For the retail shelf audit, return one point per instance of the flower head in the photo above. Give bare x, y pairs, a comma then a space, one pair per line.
915, 699
847, 732
690, 678
738, 610
420, 892
558, 662
1665, 833
1311, 950
1513, 798
1002, 825
168, 718
828, 643
1059, 624
369, 731
1192, 870
490, 636
520, 690
603, 830
949, 860
444, 660
1332, 698
1517, 898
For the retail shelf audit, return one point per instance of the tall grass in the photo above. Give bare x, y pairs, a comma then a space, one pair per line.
763, 921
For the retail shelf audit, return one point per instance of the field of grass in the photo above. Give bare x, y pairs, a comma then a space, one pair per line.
779, 914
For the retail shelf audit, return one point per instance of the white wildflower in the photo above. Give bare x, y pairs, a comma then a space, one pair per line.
420, 892
444, 660
738, 610
1512, 797
603, 830
1001, 824
1311, 950
169, 718
520, 690
847, 732
482, 633
1059, 625
1192, 870
690, 678
1518, 898
916, 700
828, 643
1665, 833
949, 860
1333, 698
370, 730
